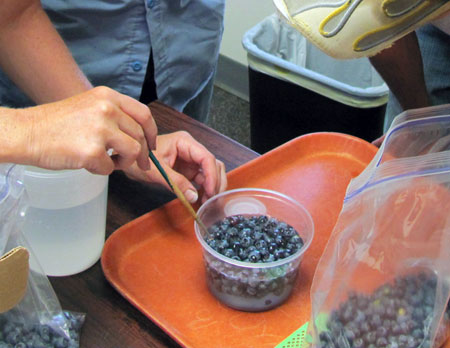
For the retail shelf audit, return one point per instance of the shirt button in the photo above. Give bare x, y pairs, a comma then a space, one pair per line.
150, 3
137, 65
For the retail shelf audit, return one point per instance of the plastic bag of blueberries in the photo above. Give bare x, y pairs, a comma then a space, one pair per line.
384, 277
30, 313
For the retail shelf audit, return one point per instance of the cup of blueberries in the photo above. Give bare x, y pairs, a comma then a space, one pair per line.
253, 242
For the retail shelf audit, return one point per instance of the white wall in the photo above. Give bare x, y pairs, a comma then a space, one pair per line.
241, 15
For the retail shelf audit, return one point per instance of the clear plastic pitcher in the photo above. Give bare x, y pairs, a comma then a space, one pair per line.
66, 219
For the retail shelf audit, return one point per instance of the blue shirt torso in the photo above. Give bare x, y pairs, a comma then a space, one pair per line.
111, 42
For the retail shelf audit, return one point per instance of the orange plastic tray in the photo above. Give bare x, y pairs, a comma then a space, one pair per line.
156, 262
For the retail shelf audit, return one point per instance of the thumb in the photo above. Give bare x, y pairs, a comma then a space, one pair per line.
183, 184
377, 142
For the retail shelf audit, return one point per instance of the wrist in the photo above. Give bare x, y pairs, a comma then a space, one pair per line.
16, 129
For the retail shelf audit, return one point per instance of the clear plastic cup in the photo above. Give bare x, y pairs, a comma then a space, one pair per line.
251, 286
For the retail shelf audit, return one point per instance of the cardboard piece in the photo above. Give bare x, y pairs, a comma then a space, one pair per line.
14, 268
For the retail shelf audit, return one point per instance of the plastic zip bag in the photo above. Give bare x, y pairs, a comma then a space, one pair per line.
384, 277
34, 318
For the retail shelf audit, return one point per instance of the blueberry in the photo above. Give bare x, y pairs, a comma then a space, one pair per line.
260, 244
392, 345
44, 331
246, 242
326, 337
222, 245
296, 239
241, 227
233, 232
243, 253
213, 244
39, 343
257, 235
255, 228
417, 333
254, 256
229, 253
233, 220
264, 253
246, 232
272, 222
262, 219
223, 228
13, 337
272, 247
279, 254
279, 240
358, 343
350, 334
288, 231
370, 337
292, 247
342, 342
218, 235
381, 331
60, 342
213, 229
375, 321
251, 248
236, 245
268, 239
9, 326
252, 225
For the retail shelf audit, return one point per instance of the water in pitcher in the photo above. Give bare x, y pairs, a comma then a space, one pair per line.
66, 219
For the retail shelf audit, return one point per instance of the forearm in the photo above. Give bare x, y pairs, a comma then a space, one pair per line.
34, 55
401, 68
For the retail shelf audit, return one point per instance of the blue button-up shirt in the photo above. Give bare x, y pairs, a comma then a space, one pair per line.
111, 42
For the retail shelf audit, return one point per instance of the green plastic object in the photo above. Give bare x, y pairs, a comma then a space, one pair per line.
296, 340
300, 338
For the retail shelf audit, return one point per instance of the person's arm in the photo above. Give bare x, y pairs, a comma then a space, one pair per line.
33, 54
78, 132
401, 68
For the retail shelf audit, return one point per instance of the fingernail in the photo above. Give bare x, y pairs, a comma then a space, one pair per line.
191, 196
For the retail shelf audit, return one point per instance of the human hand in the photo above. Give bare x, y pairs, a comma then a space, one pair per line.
77, 132
377, 142
186, 161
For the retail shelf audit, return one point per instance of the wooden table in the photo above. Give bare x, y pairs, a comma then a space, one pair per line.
111, 321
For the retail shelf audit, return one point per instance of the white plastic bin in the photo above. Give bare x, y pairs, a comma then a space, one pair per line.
295, 88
